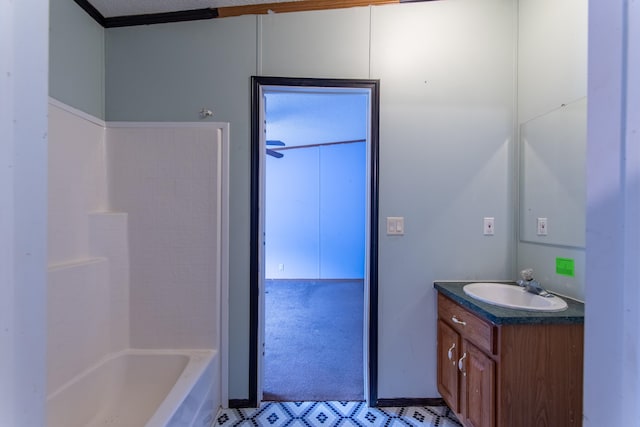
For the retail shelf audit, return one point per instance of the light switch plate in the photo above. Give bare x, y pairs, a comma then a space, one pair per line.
395, 226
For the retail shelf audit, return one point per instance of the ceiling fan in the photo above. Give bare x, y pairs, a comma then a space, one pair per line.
275, 153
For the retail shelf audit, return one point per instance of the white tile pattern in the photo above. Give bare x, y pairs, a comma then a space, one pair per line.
166, 179
334, 414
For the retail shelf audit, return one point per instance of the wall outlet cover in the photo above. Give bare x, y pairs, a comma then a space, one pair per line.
488, 226
542, 226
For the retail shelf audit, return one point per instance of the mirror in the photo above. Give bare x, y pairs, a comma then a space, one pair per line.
552, 176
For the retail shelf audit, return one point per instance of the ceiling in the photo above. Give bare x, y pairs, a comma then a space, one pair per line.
113, 8
315, 118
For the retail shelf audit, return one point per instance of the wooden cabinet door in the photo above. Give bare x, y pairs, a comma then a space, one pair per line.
448, 355
478, 399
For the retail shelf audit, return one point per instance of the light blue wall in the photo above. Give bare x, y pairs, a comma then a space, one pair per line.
342, 211
315, 213
446, 149
446, 161
315, 197
170, 71
292, 230
76, 58
328, 43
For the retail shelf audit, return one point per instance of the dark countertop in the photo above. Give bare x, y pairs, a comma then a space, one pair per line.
574, 314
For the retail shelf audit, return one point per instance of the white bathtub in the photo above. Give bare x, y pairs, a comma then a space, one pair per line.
140, 388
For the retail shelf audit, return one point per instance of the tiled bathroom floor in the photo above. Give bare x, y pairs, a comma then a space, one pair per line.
334, 414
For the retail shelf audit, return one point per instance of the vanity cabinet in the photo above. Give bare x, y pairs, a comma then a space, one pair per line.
507, 375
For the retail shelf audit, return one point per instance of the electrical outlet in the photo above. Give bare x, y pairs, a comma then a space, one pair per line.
489, 223
542, 226
280, 267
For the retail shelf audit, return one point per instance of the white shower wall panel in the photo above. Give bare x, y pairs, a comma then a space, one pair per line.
108, 238
77, 181
166, 179
78, 330
88, 274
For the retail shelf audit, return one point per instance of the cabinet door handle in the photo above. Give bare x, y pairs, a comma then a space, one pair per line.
461, 364
450, 352
454, 319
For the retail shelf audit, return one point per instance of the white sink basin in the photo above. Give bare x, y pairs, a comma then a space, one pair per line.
513, 296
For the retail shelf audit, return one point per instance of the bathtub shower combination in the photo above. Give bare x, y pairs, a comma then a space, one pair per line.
137, 272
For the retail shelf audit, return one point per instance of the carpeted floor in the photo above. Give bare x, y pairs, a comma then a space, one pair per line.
313, 340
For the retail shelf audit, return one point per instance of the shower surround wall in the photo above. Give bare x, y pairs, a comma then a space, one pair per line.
162, 177
88, 291
168, 181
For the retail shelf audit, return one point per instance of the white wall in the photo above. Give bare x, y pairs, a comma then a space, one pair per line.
23, 201
612, 328
552, 71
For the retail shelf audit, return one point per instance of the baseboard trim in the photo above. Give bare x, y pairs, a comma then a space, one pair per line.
380, 403
315, 280
403, 402
241, 403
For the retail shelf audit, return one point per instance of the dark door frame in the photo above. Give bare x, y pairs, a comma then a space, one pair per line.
374, 86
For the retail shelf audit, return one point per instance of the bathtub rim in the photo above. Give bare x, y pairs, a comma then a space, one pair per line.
198, 361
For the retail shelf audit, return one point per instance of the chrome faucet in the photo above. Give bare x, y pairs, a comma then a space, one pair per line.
530, 284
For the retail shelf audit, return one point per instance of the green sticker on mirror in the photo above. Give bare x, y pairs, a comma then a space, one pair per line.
565, 266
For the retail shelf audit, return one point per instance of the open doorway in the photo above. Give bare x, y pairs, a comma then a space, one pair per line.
315, 206
314, 235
